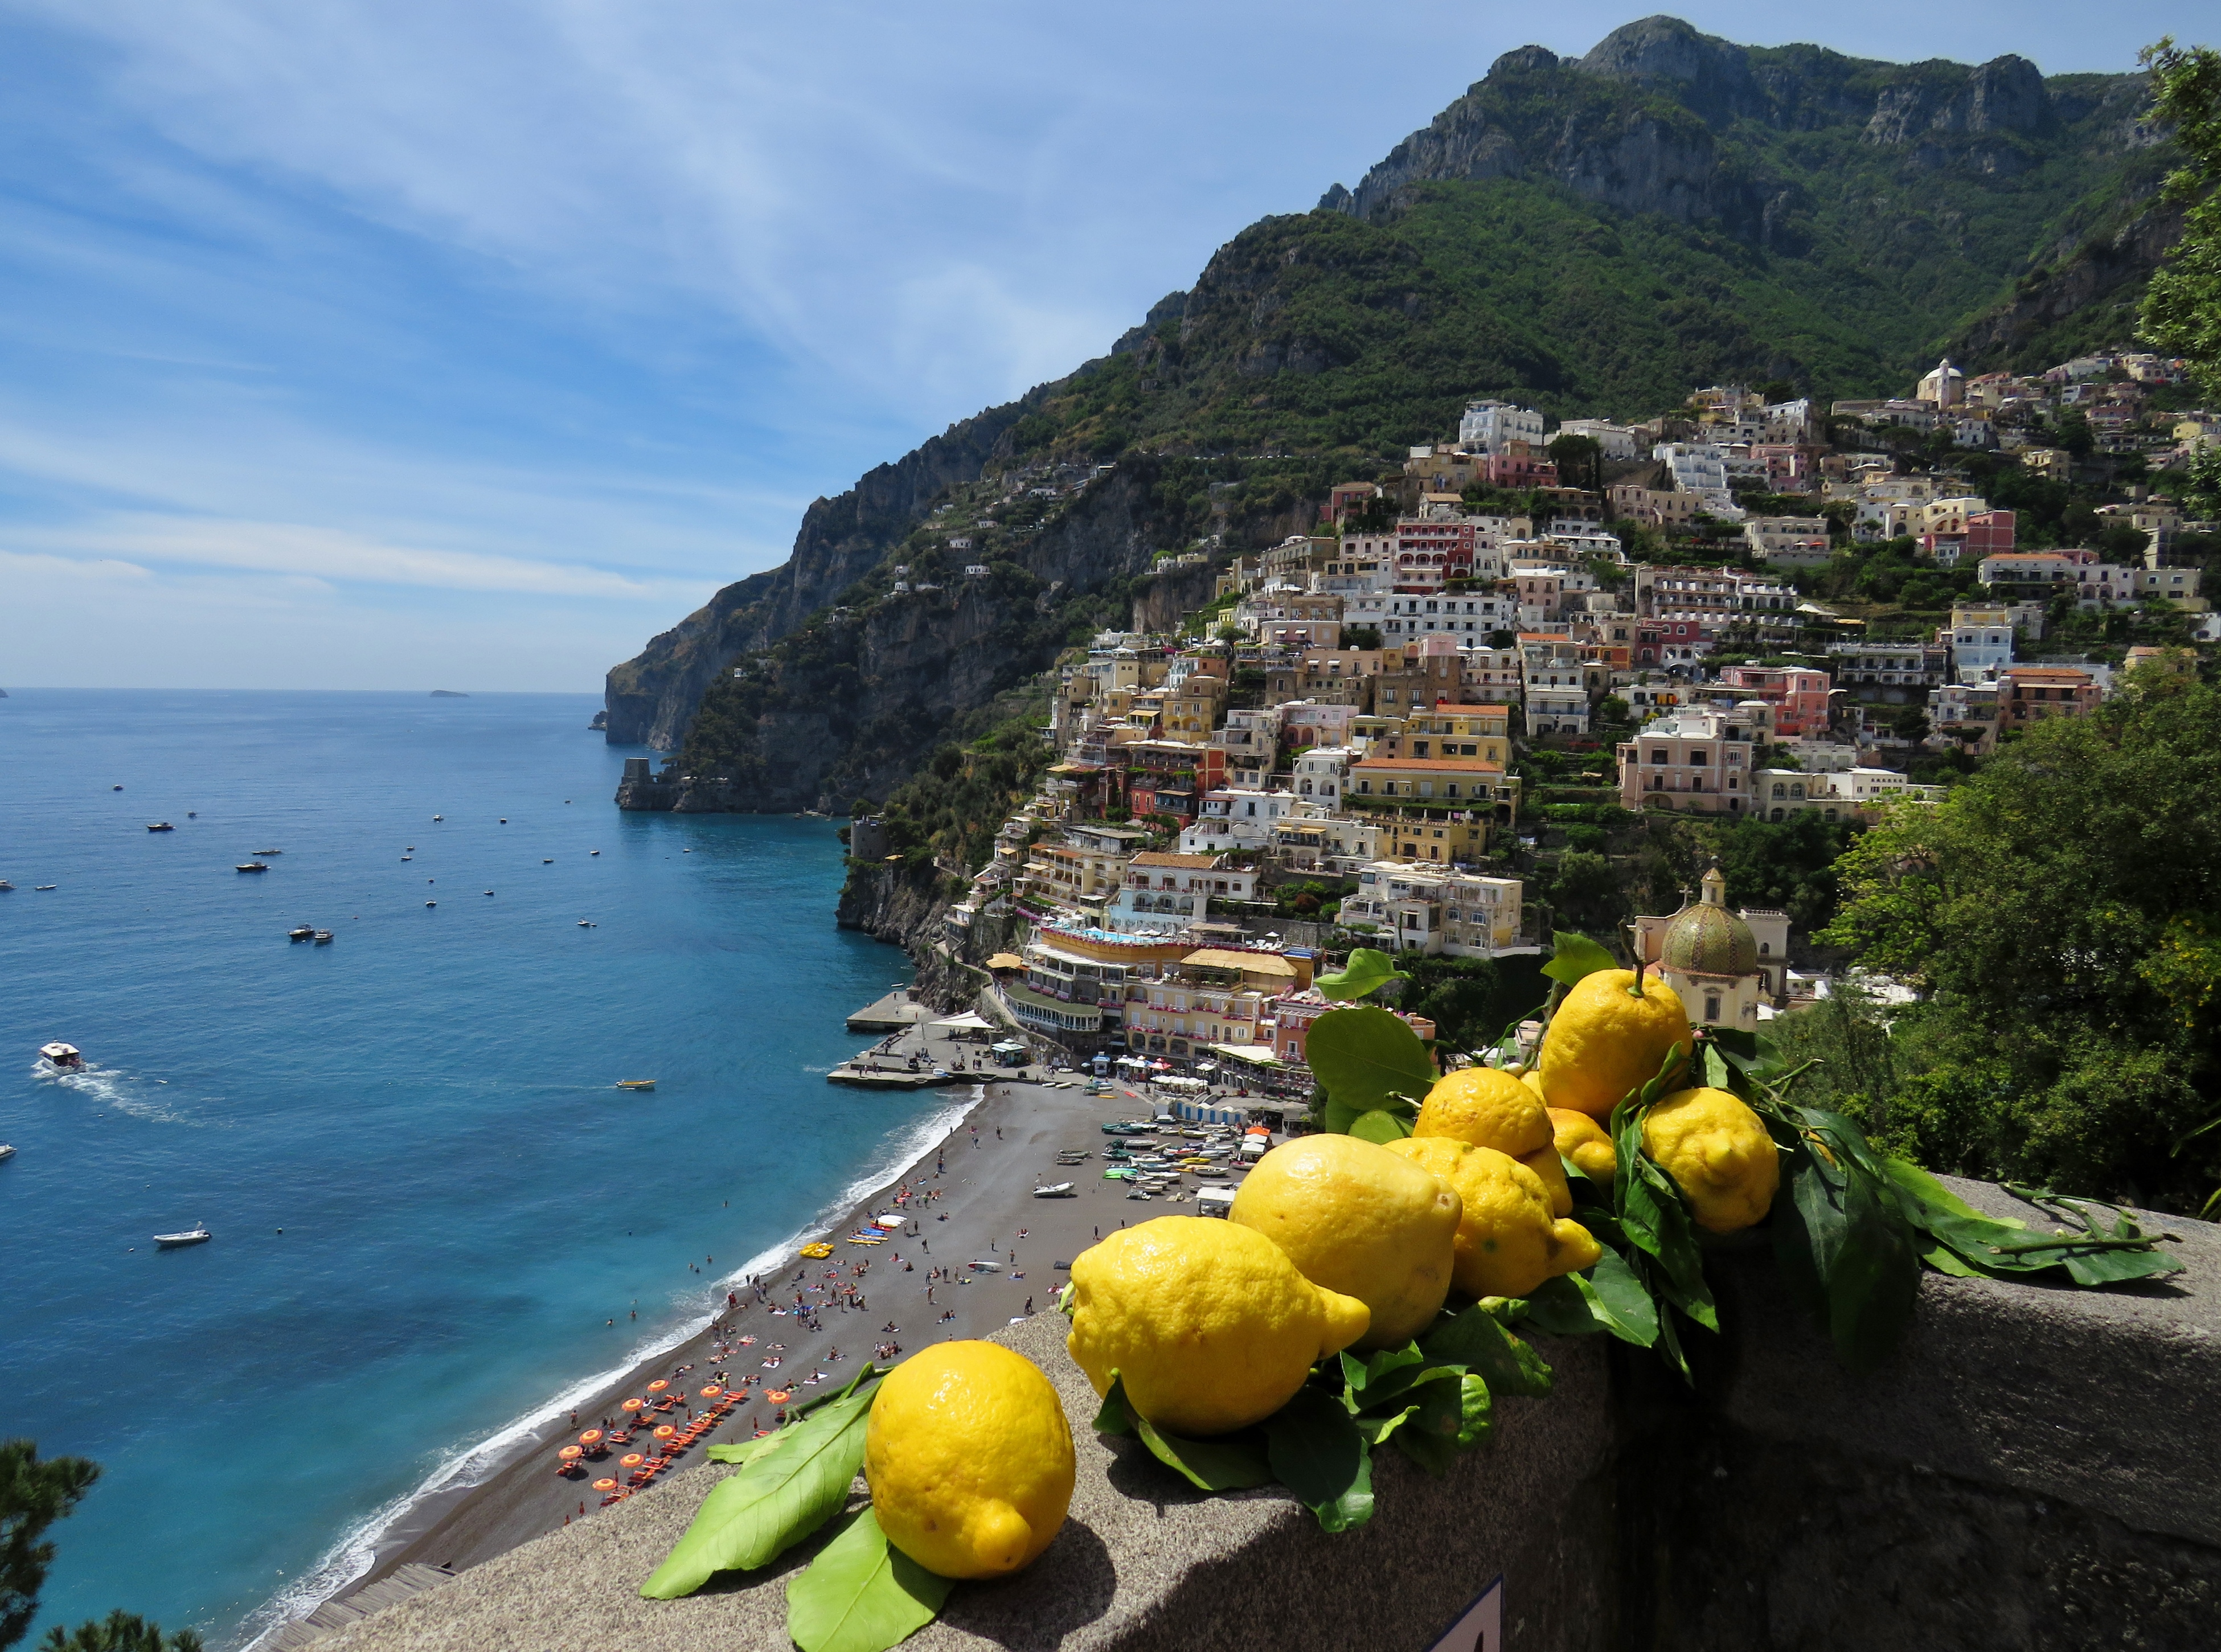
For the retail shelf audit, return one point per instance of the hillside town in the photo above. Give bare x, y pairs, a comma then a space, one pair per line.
1403, 713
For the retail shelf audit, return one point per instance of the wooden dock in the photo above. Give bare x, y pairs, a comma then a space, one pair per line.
893, 1013
336, 1614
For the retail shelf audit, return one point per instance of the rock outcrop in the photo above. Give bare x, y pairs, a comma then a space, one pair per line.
652, 697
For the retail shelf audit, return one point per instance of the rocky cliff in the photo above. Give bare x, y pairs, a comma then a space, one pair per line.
652, 697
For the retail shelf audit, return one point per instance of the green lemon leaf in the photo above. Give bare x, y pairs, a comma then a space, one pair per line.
1229, 1465
1716, 1070
1873, 1279
1575, 957
1558, 1307
2111, 1267
1365, 1055
1368, 971
1116, 1416
861, 1593
1475, 1340
1368, 1382
1616, 1295
1452, 1417
749, 1518
746, 1451
1377, 1428
1318, 1453
1380, 1127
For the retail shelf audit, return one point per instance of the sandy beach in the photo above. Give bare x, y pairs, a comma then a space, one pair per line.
971, 1197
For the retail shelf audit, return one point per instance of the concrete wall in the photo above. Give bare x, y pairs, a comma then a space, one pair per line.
2037, 1469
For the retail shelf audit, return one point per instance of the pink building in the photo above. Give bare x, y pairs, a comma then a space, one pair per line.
1519, 467
1983, 533
1797, 695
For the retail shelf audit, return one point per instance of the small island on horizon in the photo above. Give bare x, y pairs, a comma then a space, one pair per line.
448, 694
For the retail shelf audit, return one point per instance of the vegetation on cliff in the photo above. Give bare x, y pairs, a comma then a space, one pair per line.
2060, 913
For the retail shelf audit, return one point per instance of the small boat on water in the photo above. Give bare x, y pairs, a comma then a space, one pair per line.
439, 817
270, 851
1055, 1190
635, 1084
62, 1055
548, 861
323, 937
4, 884
250, 865
37, 886
160, 826
6, 1152
196, 1235
302, 934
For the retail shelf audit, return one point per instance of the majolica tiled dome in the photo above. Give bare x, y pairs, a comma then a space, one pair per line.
1707, 939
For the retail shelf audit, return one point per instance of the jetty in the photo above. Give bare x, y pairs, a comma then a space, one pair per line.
865, 1078
896, 1012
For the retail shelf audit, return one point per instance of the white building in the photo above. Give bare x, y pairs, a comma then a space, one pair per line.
1235, 817
1163, 894
1322, 773
1487, 425
1617, 440
1980, 639
1420, 909
1469, 619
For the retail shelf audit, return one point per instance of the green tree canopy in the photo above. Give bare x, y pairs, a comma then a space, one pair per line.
33, 1496
2182, 306
2062, 913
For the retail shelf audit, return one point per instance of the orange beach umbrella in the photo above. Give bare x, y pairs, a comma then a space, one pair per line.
710, 1391
591, 1437
658, 1386
779, 1396
664, 1431
572, 1453
635, 1405
631, 1459
606, 1485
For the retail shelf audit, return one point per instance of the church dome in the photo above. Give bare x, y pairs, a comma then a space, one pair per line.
1707, 939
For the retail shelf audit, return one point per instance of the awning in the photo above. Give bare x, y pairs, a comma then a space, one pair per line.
970, 1021
1254, 1055
1006, 960
1255, 963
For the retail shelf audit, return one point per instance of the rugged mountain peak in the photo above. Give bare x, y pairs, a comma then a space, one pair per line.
1521, 58
1712, 76
2007, 94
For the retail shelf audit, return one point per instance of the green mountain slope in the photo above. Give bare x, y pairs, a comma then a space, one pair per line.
1594, 236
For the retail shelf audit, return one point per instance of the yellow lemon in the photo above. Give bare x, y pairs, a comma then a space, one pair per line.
1487, 1107
1508, 1242
1717, 1152
1586, 1142
969, 1459
1604, 1041
1543, 1161
1211, 1325
1358, 1219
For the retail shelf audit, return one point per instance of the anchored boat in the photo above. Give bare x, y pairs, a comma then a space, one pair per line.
196, 1235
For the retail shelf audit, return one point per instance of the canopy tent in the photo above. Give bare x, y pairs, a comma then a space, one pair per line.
970, 1021
1254, 1055
1255, 963
1133, 1061
1008, 1047
1006, 960
1171, 1082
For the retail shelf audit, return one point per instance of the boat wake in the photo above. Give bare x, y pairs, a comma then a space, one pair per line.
108, 1087
356, 1550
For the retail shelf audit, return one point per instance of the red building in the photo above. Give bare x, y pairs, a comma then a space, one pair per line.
1797, 695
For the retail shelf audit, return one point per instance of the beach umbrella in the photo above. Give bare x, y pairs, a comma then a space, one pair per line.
606, 1485
572, 1453
710, 1391
779, 1396
663, 1430
591, 1437
658, 1386
631, 1459
635, 1405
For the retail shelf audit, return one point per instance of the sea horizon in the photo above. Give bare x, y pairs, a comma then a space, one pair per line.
425, 1108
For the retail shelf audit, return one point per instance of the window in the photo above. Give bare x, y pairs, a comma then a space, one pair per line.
1711, 1006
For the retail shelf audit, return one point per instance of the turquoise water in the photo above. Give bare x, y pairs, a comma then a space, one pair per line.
425, 1108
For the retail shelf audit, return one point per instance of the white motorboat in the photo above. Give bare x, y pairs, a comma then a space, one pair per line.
160, 826
1055, 1190
196, 1235
250, 865
304, 933
323, 937
6, 1151
62, 1055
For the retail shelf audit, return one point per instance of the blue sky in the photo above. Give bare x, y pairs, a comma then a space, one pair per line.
425, 343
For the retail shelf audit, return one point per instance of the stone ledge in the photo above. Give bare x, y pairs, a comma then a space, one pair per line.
2025, 1444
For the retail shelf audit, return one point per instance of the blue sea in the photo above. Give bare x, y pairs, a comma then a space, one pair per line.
428, 1198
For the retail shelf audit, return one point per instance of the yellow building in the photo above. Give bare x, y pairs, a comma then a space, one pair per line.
1446, 730
1448, 782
